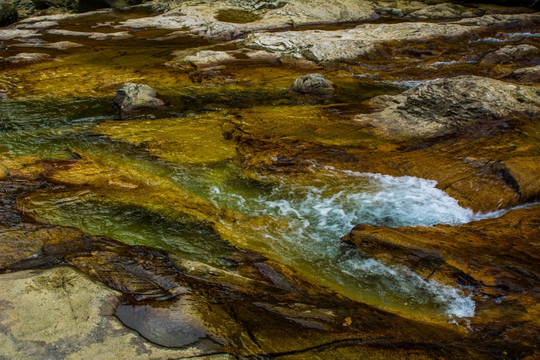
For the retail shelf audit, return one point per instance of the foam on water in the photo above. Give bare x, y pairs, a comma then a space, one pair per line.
525, 34
319, 214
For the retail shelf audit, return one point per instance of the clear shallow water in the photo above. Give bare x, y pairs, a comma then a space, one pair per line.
317, 216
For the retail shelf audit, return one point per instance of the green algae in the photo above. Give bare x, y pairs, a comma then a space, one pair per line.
236, 16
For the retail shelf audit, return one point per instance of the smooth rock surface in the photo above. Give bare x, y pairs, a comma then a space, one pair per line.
60, 313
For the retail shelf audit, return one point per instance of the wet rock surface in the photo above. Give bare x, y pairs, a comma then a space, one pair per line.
493, 258
133, 97
314, 85
441, 106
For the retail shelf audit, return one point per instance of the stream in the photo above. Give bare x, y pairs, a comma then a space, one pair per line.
300, 220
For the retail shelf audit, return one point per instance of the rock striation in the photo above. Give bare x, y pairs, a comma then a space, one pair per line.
442, 106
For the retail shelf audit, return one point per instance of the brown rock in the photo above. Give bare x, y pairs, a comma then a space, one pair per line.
495, 256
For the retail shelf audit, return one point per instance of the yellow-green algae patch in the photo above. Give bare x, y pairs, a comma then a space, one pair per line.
191, 140
106, 181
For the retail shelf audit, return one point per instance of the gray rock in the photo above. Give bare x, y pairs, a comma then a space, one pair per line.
176, 325
61, 314
201, 18
509, 53
442, 106
132, 97
314, 85
206, 58
350, 45
8, 13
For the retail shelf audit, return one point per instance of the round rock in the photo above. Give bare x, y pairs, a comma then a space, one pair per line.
133, 97
314, 85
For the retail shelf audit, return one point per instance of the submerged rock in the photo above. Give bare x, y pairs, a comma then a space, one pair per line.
314, 85
8, 13
132, 97
442, 106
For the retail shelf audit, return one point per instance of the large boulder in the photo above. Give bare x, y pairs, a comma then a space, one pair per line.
132, 97
8, 13
448, 105
314, 85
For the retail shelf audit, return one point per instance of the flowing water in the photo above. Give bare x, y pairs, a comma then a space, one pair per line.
316, 214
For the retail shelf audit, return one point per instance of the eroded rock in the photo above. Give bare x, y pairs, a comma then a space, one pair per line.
132, 97
62, 313
441, 106
523, 53
313, 85
528, 75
